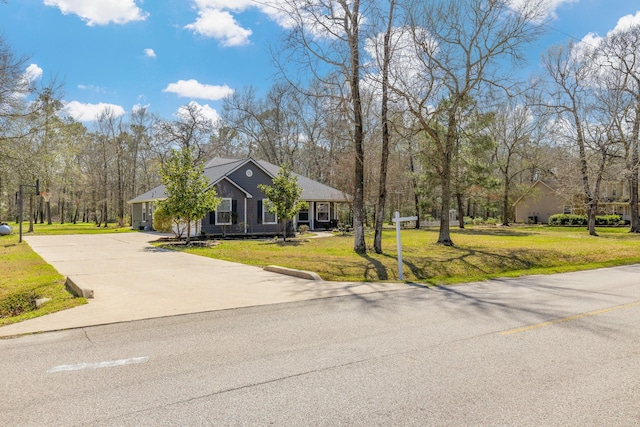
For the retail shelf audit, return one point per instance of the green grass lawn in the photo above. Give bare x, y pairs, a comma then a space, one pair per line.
478, 254
67, 228
25, 276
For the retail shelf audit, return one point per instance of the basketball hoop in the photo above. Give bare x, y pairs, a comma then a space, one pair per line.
46, 195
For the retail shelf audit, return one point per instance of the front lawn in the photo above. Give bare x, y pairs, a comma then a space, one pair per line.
67, 228
25, 277
479, 254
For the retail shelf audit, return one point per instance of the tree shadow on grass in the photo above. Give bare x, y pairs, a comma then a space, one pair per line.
498, 231
380, 269
282, 243
471, 262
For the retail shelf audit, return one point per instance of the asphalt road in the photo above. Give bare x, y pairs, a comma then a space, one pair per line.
557, 350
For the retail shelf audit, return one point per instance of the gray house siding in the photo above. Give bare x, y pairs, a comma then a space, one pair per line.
232, 181
142, 216
251, 224
251, 183
226, 190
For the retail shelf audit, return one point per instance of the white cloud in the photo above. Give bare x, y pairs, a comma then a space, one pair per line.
544, 8
216, 19
593, 41
194, 89
138, 107
220, 25
626, 23
101, 12
235, 5
205, 110
89, 112
150, 53
91, 88
33, 72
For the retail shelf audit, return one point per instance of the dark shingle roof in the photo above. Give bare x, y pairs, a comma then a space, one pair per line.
312, 191
219, 168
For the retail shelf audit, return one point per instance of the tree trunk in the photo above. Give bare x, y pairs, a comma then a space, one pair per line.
384, 160
633, 189
444, 236
414, 181
591, 217
30, 213
48, 208
40, 215
505, 204
460, 204
359, 244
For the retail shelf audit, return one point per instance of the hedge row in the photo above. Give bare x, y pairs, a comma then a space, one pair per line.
570, 219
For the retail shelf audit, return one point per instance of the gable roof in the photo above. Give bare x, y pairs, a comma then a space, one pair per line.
220, 168
532, 187
312, 191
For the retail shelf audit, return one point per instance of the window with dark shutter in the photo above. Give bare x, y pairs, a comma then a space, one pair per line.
234, 211
259, 211
223, 212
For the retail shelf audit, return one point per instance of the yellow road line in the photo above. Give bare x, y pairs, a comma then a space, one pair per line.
567, 319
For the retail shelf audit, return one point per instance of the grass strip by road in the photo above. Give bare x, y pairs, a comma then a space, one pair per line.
478, 254
26, 276
68, 228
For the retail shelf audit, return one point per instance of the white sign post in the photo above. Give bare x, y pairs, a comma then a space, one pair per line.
397, 220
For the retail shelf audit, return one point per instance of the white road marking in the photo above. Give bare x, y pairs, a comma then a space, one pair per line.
99, 365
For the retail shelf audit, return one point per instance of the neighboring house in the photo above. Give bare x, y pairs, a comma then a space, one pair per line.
542, 200
538, 204
244, 208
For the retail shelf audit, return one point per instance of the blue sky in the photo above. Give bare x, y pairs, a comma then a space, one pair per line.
166, 53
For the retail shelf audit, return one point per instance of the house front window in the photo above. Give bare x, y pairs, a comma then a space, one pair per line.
322, 212
566, 209
303, 215
268, 217
144, 212
223, 212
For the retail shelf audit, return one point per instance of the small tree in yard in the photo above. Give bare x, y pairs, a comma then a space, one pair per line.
188, 194
284, 196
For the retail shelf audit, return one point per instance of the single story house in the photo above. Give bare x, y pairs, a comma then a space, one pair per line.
542, 200
243, 208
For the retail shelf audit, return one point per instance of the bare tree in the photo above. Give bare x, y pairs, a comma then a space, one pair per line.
384, 61
326, 35
191, 130
270, 126
516, 130
109, 137
138, 150
574, 99
457, 51
621, 52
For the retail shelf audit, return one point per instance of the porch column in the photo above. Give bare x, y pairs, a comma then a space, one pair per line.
245, 214
312, 216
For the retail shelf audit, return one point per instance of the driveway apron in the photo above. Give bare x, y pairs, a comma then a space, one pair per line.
134, 280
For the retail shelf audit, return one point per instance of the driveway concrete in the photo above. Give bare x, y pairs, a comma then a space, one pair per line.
134, 280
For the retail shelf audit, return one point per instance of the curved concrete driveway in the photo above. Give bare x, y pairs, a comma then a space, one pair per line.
133, 280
